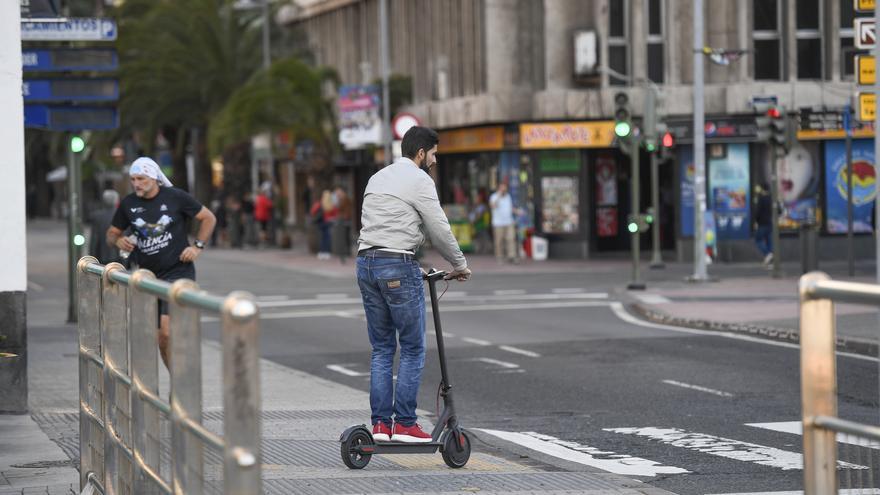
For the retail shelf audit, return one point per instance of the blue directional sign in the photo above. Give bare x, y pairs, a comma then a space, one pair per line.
70, 59
69, 118
74, 29
74, 90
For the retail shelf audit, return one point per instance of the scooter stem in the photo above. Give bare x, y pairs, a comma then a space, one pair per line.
441, 349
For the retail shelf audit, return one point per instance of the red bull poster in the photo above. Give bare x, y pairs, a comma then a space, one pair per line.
864, 185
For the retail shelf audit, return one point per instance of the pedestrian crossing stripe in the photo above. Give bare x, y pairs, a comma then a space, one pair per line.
797, 428
724, 447
855, 491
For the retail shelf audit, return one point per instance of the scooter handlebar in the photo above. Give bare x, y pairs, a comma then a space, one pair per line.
433, 275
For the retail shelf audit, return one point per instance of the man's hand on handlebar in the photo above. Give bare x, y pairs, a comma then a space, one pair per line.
460, 275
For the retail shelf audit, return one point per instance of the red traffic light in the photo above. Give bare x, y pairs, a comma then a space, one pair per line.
773, 113
668, 140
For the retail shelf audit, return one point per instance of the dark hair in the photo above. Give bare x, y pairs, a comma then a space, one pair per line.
418, 138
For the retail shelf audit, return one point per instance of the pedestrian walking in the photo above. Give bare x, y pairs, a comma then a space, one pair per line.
503, 225
764, 222
157, 214
399, 201
263, 208
324, 213
341, 239
99, 221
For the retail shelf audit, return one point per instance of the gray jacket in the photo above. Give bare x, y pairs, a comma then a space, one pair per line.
400, 199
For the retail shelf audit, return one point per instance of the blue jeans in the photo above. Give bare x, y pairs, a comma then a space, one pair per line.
762, 239
394, 302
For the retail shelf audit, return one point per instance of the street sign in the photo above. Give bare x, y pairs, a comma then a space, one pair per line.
74, 90
866, 35
68, 118
863, 5
867, 106
79, 29
70, 59
866, 69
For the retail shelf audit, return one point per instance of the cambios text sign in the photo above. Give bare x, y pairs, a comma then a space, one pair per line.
75, 29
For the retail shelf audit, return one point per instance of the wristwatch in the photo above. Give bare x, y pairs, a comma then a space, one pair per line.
199, 244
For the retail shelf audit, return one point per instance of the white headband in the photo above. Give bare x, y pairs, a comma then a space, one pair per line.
146, 166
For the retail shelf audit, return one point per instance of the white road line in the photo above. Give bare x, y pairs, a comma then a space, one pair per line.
797, 428
470, 340
517, 350
621, 313
454, 294
332, 296
35, 286
586, 455
339, 368
496, 362
567, 290
448, 297
698, 388
854, 491
724, 447
652, 298
272, 298
509, 292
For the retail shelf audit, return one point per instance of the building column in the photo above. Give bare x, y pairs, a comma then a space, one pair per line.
638, 32
13, 272
561, 18
502, 21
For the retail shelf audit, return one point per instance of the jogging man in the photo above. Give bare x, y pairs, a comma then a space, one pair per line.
157, 214
399, 200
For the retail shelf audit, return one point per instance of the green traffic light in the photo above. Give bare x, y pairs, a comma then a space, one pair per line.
79, 240
632, 227
622, 129
77, 144
650, 147
649, 218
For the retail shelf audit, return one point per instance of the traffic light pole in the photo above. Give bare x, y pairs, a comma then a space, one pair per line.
74, 251
635, 281
700, 274
774, 211
656, 258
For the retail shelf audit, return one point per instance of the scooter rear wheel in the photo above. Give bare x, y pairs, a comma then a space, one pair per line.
456, 451
352, 456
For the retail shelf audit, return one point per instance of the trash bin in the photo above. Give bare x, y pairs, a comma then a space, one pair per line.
809, 235
539, 248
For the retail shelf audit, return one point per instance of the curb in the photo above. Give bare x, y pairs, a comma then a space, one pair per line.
792, 336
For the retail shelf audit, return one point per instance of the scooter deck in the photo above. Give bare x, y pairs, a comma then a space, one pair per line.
405, 448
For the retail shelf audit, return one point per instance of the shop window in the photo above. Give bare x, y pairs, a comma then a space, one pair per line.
560, 202
618, 35
655, 40
809, 39
766, 22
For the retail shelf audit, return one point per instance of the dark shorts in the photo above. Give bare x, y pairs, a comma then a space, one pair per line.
187, 270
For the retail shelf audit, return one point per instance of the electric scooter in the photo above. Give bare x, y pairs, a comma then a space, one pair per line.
357, 441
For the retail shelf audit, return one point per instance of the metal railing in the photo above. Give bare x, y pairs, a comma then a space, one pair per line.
822, 427
121, 443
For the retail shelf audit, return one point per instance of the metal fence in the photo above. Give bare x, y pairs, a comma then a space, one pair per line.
854, 457
122, 447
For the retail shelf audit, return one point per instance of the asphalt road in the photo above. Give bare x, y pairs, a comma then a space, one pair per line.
550, 366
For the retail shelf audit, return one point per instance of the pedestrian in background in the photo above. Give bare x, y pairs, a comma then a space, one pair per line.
157, 213
764, 222
263, 207
324, 213
247, 219
341, 240
99, 221
503, 225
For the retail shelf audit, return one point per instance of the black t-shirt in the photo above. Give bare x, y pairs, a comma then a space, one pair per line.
160, 226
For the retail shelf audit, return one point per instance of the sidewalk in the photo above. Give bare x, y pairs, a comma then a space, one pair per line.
301, 419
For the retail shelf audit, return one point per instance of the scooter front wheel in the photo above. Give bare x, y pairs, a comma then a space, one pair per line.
456, 449
357, 449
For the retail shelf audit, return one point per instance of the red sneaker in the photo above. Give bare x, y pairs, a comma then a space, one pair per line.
409, 434
381, 432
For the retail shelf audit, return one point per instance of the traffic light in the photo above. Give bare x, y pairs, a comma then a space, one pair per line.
639, 222
778, 128
77, 144
622, 115
766, 113
668, 140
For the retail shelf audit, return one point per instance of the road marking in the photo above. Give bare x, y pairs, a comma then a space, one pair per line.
272, 298
35, 286
332, 296
652, 299
699, 388
496, 362
339, 368
854, 491
586, 455
509, 292
797, 428
517, 350
621, 313
724, 447
463, 296
455, 294
567, 290
470, 340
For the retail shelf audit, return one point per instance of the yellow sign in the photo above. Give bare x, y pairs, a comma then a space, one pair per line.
567, 135
822, 134
863, 5
867, 73
867, 109
471, 140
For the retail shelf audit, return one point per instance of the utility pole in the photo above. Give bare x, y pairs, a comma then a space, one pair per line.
75, 238
656, 257
774, 211
847, 126
636, 279
385, 69
700, 274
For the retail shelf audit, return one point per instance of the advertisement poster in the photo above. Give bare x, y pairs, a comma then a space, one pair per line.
799, 185
729, 186
863, 184
606, 181
606, 221
686, 190
359, 120
560, 205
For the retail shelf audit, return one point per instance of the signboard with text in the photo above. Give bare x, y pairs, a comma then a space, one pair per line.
69, 59
566, 135
75, 29
865, 33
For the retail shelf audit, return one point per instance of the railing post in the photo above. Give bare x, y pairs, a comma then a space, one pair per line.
91, 436
144, 377
186, 392
241, 395
117, 406
818, 387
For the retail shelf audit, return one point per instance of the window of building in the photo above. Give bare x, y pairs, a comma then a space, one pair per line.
809, 39
618, 30
655, 40
847, 35
766, 23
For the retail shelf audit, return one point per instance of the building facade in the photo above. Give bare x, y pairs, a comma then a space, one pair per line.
523, 92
